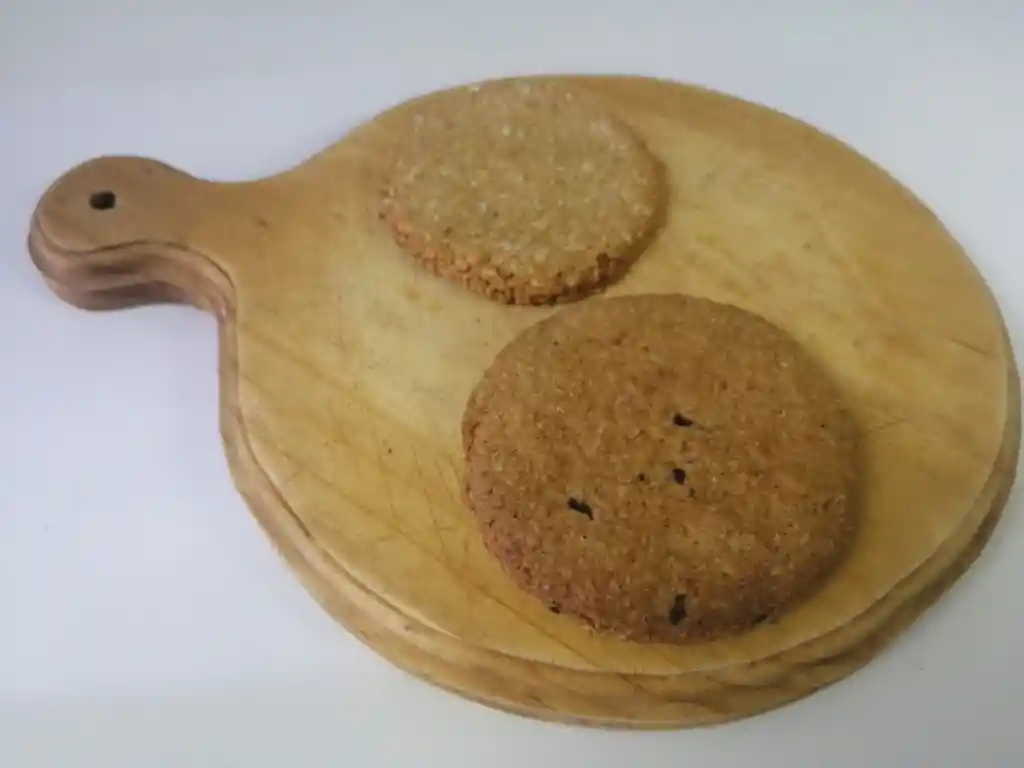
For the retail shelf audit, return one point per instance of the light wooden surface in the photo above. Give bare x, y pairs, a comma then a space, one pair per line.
345, 367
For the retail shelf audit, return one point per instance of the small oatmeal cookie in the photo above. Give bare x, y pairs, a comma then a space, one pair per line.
525, 191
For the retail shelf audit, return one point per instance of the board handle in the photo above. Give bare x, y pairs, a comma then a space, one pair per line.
121, 231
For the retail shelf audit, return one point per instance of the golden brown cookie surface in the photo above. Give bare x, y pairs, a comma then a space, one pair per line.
524, 191
665, 467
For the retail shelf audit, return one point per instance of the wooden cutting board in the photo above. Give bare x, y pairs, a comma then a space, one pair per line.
345, 367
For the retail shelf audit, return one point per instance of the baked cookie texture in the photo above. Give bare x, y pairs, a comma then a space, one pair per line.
664, 467
527, 192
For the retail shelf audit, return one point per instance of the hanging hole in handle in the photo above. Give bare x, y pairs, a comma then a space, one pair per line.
102, 201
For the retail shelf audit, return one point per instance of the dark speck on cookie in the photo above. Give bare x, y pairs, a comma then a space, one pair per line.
678, 610
581, 506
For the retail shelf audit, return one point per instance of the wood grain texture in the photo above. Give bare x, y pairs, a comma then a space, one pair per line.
345, 366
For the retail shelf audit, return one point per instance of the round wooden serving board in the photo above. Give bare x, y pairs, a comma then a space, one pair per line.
345, 367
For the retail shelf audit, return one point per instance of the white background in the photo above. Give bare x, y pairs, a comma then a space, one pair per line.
145, 620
